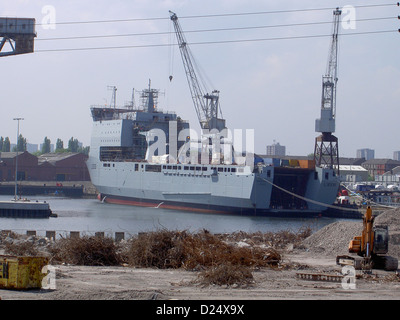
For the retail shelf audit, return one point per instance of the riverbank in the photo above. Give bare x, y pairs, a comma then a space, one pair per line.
73, 189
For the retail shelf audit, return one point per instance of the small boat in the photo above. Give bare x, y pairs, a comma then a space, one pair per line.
23, 208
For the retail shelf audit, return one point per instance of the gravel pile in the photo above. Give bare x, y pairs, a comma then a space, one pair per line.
391, 218
333, 239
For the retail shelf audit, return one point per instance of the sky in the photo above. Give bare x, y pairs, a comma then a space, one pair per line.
270, 86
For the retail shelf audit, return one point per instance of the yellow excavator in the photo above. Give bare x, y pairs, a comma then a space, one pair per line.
369, 250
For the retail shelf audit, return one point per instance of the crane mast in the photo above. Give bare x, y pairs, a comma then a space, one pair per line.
206, 104
326, 145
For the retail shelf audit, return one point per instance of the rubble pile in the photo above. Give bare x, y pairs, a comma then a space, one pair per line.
334, 238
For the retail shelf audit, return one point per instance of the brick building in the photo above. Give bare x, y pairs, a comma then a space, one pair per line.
67, 166
47, 167
379, 166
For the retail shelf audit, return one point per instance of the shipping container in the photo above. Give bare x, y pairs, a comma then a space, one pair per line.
294, 163
284, 162
307, 164
21, 272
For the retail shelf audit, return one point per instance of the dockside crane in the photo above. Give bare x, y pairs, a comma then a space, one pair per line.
326, 151
206, 104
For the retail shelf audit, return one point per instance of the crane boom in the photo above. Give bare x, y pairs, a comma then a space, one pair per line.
326, 150
328, 102
206, 105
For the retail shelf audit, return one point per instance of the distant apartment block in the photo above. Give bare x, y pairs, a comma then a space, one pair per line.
276, 150
32, 148
367, 154
396, 155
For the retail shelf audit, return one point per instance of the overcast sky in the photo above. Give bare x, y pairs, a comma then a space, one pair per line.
271, 86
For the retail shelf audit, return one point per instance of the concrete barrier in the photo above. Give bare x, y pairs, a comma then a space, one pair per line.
31, 233
51, 234
119, 236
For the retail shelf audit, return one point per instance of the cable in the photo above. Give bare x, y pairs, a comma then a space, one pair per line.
357, 195
215, 15
307, 199
206, 30
321, 203
213, 42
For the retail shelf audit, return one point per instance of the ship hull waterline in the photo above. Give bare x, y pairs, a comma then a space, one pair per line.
225, 210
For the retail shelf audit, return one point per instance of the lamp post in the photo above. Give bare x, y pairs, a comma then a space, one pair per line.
16, 161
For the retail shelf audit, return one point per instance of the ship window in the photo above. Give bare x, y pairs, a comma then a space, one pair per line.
326, 175
204, 168
198, 168
191, 168
315, 175
174, 167
186, 168
234, 170
153, 168
136, 166
169, 167
220, 169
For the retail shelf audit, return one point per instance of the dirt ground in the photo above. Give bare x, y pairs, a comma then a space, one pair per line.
316, 254
126, 283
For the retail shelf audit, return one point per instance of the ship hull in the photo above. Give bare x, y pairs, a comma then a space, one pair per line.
209, 191
209, 209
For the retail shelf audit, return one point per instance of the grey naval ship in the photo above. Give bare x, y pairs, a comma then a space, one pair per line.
126, 168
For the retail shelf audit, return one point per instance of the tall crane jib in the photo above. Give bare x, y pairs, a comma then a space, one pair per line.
326, 145
329, 81
206, 104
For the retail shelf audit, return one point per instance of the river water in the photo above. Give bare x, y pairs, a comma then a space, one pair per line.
90, 215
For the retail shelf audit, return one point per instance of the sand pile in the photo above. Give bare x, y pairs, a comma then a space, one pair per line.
333, 239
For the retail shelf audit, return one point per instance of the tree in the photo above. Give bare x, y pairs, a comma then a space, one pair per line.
6, 145
59, 145
46, 145
73, 145
21, 144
